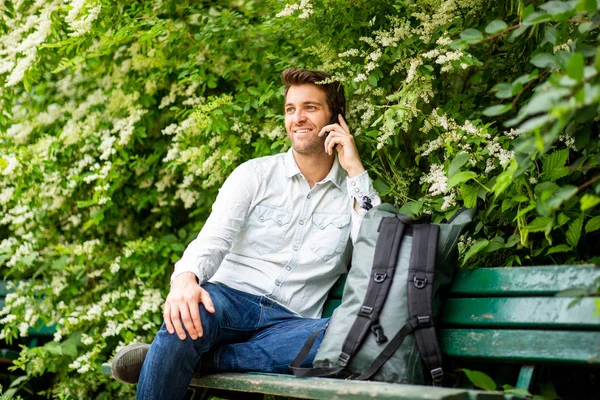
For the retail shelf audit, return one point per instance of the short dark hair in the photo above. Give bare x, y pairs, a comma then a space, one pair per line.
334, 91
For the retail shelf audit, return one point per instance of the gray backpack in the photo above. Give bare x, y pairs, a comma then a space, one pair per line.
393, 289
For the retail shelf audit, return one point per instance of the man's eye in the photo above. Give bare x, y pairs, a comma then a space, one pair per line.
289, 110
311, 108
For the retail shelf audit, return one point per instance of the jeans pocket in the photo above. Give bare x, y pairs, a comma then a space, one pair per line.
329, 234
267, 228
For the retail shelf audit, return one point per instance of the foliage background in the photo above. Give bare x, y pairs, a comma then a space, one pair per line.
120, 120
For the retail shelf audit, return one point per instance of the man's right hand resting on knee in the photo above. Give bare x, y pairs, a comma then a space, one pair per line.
182, 306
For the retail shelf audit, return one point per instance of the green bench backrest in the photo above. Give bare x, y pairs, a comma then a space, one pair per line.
513, 314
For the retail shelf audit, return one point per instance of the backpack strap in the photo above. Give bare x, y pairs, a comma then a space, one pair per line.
421, 274
391, 231
420, 295
306, 372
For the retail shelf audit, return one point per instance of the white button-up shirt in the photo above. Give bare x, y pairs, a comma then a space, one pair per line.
270, 234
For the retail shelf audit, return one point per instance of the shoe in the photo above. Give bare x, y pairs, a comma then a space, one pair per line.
127, 364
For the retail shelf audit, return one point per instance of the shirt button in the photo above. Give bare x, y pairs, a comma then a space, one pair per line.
295, 248
277, 283
356, 190
261, 218
301, 222
353, 183
309, 196
288, 268
279, 223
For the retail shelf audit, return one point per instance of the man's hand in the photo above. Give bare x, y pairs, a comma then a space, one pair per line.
182, 305
341, 140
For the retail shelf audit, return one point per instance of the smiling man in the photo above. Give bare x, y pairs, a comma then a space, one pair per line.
250, 289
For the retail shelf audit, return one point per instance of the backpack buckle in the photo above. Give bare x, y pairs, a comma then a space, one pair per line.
379, 277
344, 358
419, 282
437, 374
365, 311
423, 321
377, 329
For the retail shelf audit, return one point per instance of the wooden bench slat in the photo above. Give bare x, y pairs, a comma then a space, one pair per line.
329, 389
523, 280
523, 345
542, 312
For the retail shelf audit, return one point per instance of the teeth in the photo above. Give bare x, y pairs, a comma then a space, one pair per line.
303, 131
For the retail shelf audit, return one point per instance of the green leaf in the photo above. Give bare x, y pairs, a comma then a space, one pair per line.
588, 201
497, 110
381, 186
461, 177
469, 195
412, 208
561, 248
495, 26
459, 161
586, 5
535, 123
53, 348
480, 379
505, 179
550, 34
554, 161
575, 66
593, 224
512, 240
503, 90
586, 27
540, 224
562, 195
536, 18
574, 231
471, 35
597, 63
557, 7
479, 245
544, 60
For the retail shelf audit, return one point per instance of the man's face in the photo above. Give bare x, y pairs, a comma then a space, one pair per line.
306, 112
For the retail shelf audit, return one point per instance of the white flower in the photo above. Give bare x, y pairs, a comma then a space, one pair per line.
449, 201
360, 78
437, 178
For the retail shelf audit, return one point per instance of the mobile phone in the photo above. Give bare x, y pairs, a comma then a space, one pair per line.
334, 120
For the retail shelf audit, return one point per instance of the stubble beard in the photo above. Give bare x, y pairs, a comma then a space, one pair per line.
314, 145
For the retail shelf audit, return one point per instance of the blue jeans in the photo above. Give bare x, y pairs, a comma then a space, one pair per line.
246, 333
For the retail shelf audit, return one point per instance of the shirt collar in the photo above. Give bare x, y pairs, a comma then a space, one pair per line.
336, 175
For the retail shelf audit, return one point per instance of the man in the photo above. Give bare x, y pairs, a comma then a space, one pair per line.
250, 289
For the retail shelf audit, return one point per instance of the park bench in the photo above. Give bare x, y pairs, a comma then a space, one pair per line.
524, 318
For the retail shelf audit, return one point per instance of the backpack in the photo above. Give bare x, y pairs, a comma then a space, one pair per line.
399, 267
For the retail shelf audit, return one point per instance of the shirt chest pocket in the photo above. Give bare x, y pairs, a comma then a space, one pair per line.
267, 228
329, 234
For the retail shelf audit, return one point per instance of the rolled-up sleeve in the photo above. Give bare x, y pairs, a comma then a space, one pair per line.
204, 255
360, 188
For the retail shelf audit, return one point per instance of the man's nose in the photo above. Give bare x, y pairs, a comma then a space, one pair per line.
299, 116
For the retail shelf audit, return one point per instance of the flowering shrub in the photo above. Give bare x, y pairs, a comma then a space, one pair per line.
120, 121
